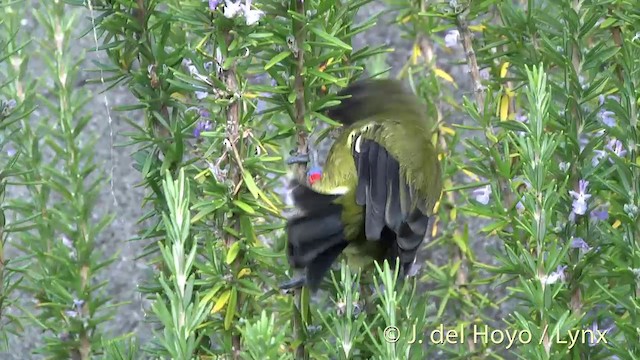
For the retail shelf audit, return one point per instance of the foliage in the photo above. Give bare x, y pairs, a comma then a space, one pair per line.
56, 225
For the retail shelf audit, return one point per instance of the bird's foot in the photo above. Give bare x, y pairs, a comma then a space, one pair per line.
292, 284
297, 158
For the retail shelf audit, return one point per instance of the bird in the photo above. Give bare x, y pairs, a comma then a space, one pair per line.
377, 190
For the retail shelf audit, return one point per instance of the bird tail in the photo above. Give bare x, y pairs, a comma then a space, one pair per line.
315, 233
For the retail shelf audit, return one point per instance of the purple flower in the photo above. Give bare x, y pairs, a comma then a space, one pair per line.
520, 206
11, 150
413, 270
599, 155
525, 182
607, 117
579, 243
583, 82
231, 9
451, 38
583, 140
595, 334
204, 125
522, 117
485, 74
236, 8
600, 213
251, 16
213, 4
261, 106
77, 303
555, 276
204, 113
6, 107
580, 198
615, 146
602, 99
483, 194
67, 242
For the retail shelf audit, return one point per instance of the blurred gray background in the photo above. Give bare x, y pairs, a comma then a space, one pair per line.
126, 273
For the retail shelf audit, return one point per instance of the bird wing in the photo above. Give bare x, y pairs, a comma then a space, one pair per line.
391, 211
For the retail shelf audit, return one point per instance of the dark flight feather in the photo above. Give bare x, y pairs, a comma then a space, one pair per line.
315, 235
391, 214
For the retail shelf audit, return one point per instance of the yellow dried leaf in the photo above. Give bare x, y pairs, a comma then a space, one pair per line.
503, 69
201, 176
211, 293
436, 206
434, 229
416, 53
179, 97
244, 272
443, 74
504, 107
471, 175
221, 302
447, 130
477, 28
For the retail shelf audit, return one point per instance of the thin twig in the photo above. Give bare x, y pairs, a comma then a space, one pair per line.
462, 276
576, 61
472, 61
232, 136
299, 326
616, 33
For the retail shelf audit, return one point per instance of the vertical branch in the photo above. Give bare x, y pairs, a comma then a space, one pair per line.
2, 261
472, 61
576, 62
300, 105
66, 117
301, 302
462, 276
426, 48
616, 33
479, 90
232, 136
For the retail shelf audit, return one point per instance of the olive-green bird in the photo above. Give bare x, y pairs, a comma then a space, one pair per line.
378, 188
